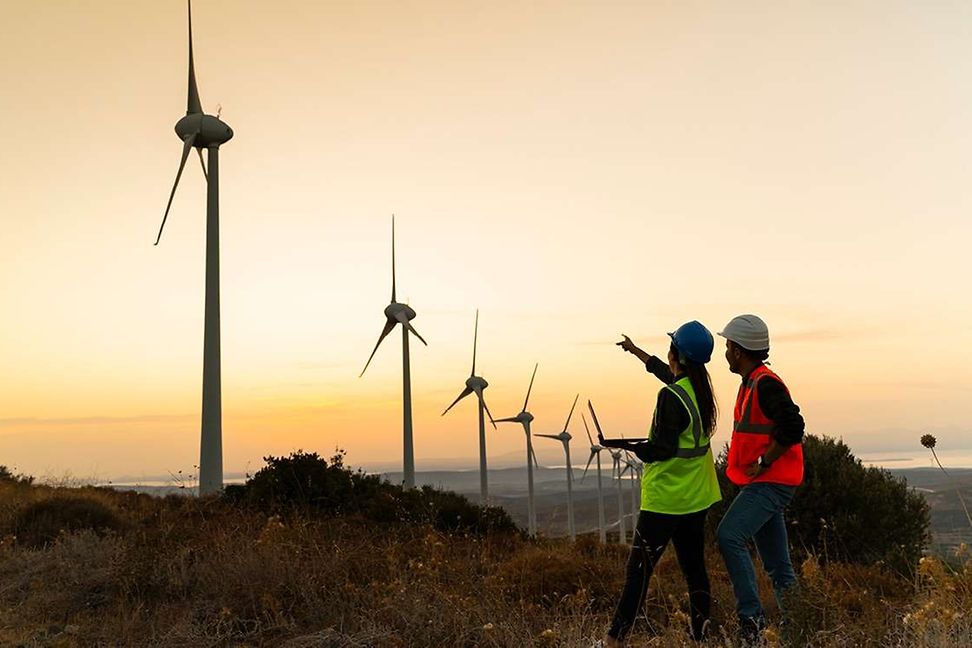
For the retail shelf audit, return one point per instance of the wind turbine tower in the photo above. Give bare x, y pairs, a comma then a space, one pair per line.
525, 418
564, 437
616, 456
633, 467
395, 314
201, 131
476, 385
595, 453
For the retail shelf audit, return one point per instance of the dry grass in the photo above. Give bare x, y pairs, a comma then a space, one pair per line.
185, 572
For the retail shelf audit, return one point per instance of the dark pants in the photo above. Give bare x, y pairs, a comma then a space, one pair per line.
652, 535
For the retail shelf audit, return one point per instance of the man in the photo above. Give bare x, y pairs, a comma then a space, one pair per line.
766, 462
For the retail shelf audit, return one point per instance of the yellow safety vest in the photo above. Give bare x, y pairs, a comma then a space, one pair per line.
687, 482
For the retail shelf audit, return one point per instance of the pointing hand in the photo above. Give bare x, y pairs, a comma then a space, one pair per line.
627, 345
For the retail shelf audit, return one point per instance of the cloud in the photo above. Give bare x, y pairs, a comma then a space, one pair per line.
96, 420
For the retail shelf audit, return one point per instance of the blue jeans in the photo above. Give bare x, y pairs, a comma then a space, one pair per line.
757, 514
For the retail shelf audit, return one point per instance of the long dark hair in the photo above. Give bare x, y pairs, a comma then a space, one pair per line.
702, 384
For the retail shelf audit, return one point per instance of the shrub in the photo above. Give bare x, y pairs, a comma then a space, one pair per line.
42, 522
7, 476
304, 482
847, 511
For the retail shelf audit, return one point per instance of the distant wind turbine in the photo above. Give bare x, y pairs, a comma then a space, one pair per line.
396, 313
201, 131
525, 418
595, 453
616, 456
476, 385
564, 437
634, 466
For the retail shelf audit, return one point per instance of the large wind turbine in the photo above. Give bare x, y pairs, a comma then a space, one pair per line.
475, 385
564, 437
201, 131
403, 314
595, 453
616, 456
525, 418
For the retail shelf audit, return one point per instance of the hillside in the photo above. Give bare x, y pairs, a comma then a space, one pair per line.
180, 571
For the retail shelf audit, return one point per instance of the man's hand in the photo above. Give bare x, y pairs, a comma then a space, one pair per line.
754, 471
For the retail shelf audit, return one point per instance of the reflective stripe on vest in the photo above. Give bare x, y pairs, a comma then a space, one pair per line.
745, 423
696, 424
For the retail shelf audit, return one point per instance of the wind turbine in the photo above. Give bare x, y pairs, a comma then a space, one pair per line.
396, 313
564, 437
201, 131
595, 453
525, 418
635, 468
475, 385
616, 456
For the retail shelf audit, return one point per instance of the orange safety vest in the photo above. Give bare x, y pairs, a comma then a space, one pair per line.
751, 437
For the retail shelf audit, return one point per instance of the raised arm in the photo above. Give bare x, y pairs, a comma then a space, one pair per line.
653, 365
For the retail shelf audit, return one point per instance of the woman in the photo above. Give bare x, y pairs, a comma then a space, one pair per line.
679, 482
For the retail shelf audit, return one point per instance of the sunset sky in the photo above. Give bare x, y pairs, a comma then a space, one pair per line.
575, 170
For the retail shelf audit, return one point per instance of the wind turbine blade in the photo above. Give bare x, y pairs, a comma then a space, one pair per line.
408, 325
393, 258
465, 392
186, 147
571, 412
193, 105
202, 163
486, 407
389, 325
530, 388
535, 461
548, 436
475, 339
593, 454
587, 429
597, 426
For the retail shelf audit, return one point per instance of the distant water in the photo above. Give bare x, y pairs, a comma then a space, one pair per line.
916, 459
919, 458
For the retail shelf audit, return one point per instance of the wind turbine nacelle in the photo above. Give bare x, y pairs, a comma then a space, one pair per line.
475, 382
392, 311
210, 131
525, 417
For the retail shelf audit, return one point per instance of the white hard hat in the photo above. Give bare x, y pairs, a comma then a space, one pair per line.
748, 331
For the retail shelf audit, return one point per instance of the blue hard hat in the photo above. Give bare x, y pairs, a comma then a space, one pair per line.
693, 341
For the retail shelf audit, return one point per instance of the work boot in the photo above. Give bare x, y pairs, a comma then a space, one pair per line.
751, 631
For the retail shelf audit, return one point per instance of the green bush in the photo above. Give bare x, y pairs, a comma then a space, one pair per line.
849, 512
41, 523
305, 482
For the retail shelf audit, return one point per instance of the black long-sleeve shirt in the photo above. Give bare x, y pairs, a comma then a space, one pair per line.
775, 401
